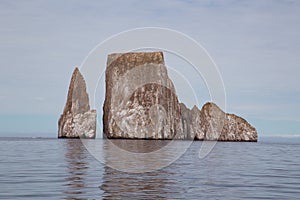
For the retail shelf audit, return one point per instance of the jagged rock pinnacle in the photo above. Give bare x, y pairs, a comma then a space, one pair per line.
77, 119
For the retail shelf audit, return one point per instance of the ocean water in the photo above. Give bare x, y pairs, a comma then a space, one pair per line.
65, 169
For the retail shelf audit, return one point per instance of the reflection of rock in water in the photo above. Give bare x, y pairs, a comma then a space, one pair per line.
150, 185
137, 156
140, 146
75, 157
123, 184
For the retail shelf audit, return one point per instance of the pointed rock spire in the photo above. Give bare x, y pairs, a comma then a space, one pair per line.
77, 119
78, 99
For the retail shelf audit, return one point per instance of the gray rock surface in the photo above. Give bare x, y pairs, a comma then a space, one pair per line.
211, 123
141, 103
77, 119
140, 100
221, 126
191, 123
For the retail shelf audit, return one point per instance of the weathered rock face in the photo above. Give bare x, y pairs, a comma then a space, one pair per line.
191, 123
141, 103
140, 100
218, 125
77, 119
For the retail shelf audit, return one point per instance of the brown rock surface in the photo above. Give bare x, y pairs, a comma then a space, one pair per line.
221, 126
77, 119
141, 103
140, 100
211, 123
191, 122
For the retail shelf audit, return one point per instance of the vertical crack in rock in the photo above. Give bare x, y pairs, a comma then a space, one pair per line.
191, 122
77, 119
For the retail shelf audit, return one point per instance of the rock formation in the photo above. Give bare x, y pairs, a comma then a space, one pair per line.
77, 119
211, 123
191, 122
140, 100
141, 103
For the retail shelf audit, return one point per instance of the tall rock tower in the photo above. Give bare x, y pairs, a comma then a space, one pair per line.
140, 100
77, 120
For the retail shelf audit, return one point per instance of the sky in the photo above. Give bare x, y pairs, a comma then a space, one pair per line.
254, 43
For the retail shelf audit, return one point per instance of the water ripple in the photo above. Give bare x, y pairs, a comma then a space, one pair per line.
63, 169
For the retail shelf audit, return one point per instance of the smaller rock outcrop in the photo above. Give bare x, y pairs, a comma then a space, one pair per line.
211, 123
77, 120
218, 125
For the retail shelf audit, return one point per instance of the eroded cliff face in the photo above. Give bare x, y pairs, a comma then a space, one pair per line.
221, 126
211, 123
141, 103
140, 100
77, 119
191, 123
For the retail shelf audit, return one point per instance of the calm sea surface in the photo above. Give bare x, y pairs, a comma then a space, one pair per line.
64, 169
